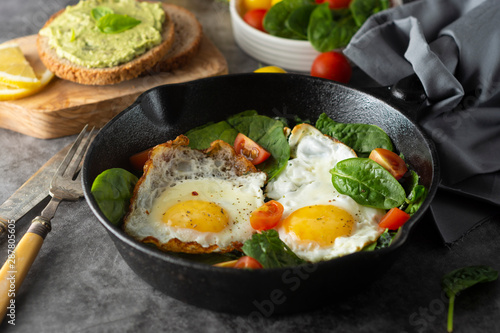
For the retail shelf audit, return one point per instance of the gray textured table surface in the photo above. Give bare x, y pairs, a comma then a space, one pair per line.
79, 282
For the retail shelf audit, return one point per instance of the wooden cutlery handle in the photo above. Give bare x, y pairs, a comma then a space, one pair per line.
18, 264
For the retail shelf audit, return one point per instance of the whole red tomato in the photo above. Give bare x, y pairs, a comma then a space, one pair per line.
255, 17
336, 4
333, 66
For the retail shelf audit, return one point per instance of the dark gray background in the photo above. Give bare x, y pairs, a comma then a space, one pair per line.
79, 282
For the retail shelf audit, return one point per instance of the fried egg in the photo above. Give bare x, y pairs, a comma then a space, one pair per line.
318, 222
195, 201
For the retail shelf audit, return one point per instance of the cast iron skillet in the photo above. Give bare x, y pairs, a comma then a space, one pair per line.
162, 113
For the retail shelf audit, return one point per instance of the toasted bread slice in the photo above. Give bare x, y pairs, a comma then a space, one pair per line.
188, 36
67, 70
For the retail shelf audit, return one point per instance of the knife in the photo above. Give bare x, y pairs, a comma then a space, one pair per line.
34, 190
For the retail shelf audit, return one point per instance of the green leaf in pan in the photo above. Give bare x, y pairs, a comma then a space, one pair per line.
362, 138
368, 183
112, 189
270, 251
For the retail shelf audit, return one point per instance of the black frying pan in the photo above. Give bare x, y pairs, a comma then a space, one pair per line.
162, 113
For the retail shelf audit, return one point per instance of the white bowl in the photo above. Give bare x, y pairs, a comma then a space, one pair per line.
289, 54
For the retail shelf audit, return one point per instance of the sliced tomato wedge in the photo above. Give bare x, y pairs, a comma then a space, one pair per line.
390, 161
266, 216
254, 152
394, 219
138, 160
247, 262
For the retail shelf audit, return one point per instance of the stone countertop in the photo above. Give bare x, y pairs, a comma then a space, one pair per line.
80, 283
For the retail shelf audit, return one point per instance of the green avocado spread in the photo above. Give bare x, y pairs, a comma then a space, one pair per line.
76, 34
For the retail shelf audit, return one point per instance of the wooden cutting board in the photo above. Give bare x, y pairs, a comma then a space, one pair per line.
63, 107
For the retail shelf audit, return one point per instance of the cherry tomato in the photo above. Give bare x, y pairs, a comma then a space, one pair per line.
336, 4
269, 69
266, 216
250, 149
273, 2
138, 160
333, 66
257, 4
394, 219
255, 17
390, 161
247, 262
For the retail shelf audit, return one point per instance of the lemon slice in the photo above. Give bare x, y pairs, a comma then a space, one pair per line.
15, 70
10, 93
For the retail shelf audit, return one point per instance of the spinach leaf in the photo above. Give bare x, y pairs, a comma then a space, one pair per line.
363, 9
100, 11
368, 183
298, 20
326, 32
115, 23
112, 189
292, 120
409, 181
370, 247
362, 138
277, 16
268, 133
340, 13
415, 193
247, 113
326, 29
385, 240
416, 198
264, 130
201, 137
268, 249
460, 279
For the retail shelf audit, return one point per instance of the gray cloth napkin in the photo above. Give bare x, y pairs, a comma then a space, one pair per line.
453, 46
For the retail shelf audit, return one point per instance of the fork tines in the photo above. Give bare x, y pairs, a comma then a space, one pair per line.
70, 169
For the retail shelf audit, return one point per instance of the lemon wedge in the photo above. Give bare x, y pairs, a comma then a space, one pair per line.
18, 78
8, 92
15, 70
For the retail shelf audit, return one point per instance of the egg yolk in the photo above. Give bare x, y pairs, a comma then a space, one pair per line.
320, 223
199, 215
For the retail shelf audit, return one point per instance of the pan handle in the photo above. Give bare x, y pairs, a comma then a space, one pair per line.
407, 95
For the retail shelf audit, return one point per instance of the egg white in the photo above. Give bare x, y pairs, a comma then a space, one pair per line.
237, 196
307, 181
183, 174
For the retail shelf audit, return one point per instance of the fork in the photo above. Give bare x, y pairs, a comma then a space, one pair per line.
65, 185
